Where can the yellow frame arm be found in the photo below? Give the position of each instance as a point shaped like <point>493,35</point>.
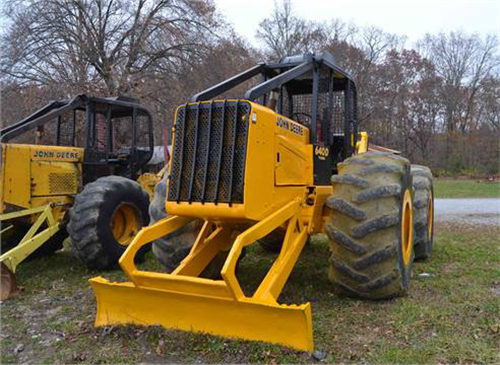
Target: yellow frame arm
<point>31,241</point>
<point>185,301</point>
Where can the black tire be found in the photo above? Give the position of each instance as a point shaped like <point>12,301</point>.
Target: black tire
<point>171,249</point>
<point>371,208</point>
<point>91,220</point>
<point>423,186</point>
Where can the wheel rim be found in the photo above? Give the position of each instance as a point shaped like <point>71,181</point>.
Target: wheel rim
<point>407,228</point>
<point>125,223</point>
<point>430,217</point>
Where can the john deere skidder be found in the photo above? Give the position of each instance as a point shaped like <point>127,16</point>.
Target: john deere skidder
<point>60,183</point>
<point>286,158</point>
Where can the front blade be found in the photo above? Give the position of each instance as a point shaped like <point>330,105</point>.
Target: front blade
<point>124,303</point>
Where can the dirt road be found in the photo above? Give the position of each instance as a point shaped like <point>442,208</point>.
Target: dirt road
<point>476,211</point>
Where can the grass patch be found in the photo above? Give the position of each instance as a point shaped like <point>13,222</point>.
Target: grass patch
<point>451,315</point>
<point>466,188</point>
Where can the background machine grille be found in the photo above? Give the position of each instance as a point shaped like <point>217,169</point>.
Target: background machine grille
<point>63,183</point>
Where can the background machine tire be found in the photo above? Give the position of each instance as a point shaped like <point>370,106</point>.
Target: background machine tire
<point>105,217</point>
<point>171,249</point>
<point>370,227</point>
<point>424,211</point>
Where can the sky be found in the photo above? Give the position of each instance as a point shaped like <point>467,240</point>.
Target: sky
<point>404,17</point>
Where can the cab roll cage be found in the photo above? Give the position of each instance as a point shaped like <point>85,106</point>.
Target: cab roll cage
<point>109,108</point>
<point>293,70</point>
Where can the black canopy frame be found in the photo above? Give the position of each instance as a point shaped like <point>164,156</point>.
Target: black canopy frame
<point>301,75</point>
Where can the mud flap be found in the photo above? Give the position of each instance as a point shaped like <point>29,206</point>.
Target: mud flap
<point>247,319</point>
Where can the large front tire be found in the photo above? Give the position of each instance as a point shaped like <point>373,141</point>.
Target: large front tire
<point>106,216</point>
<point>371,226</point>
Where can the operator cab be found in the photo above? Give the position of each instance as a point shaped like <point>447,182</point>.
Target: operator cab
<point>115,133</point>
<point>311,90</point>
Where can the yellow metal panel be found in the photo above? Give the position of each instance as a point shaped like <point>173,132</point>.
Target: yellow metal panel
<point>55,170</point>
<point>122,303</point>
<point>259,170</point>
<point>181,284</point>
<point>30,170</point>
<point>54,178</point>
<point>207,211</point>
<point>362,143</point>
<point>17,175</point>
<point>262,195</point>
<point>290,168</point>
<point>56,153</point>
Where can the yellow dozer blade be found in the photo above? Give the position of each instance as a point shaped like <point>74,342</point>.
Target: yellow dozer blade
<point>182,300</point>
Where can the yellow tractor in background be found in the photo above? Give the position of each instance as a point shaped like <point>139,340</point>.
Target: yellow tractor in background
<point>282,164</point>
<point>71,167</point>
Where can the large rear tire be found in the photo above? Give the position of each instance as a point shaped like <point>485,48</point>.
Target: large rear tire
<point>424,211</point>
<point>106,216</point>
<point>371,226</point>
<point>171,249</point>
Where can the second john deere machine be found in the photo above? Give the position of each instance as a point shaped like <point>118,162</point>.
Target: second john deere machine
<point>282,164</point>
<point>54,181</point>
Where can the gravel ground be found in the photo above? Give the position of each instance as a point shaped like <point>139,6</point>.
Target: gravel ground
<point>476,211</point>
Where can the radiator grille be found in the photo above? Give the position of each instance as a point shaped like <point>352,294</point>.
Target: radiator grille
<point>62,183</point>
<point>208,159</point>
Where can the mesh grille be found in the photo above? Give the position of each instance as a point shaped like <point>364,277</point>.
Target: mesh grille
<point>298,105</point>
<point>208,160</point>
<point>62,183</point>
<point>66,133</point>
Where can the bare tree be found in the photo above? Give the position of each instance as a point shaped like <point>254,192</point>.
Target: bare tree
<point>489,104</point>
<point>439,103</point>
<point>285,34</point>
<point>375,43</point>
<point>103,43</point>
<point>463,61</point>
